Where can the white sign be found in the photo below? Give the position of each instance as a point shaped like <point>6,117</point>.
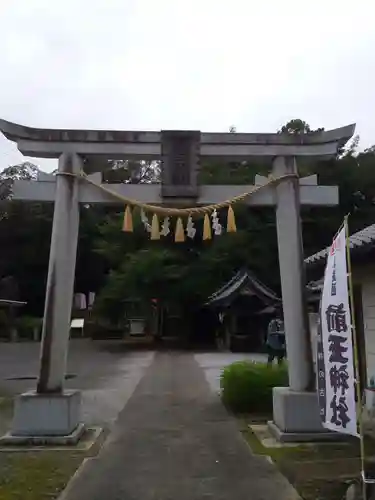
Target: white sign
<point>335,366</point>
<point>77,323</point>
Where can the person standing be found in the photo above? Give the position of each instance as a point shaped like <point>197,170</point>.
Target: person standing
<point>276,339</point>
<point>220,331</point>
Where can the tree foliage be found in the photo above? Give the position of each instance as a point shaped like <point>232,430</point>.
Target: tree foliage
<point>297,127</point>
<point>133,172</point>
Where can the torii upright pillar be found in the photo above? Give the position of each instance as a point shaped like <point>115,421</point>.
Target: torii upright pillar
<point>295,408</point>
<point>61,273</point>
<point>53,411</point>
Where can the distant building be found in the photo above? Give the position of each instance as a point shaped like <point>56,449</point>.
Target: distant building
<point>243,306</point>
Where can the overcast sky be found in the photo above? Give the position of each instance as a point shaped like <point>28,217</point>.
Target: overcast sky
<point>196,64</point>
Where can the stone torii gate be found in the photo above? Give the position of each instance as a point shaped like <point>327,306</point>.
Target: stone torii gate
<point>53,411</point>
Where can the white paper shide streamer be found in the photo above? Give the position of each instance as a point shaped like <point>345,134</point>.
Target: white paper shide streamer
<point>190,229</point>
<point>165,227</point>
<point>216,226</point>
<point>145,221</point>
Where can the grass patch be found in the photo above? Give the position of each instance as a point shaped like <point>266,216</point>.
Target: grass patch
<point>318,472</point>
<point>6,404</point>
<point>6,413</point>
<point>36,476</point>
<point>40,475</point>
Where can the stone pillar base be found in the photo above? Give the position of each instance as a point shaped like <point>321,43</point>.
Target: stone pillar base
<point>43,416</point>
<point>296,417</point>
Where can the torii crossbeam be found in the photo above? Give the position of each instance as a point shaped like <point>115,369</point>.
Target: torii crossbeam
<point>180,153</point>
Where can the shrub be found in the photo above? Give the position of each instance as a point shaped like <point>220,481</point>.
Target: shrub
<point>246,387</point>
<point>4,324</point>
<point>25,326</point>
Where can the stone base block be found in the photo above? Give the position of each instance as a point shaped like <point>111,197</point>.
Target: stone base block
<point>296,417</point>
<point>303,437</point>
<point>10,440</point>
<point>46,414</point>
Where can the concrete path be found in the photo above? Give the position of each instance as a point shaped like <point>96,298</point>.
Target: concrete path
<point>174,440</point>
<point>105,372</point>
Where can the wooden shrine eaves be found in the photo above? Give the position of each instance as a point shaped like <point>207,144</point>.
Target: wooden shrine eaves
<point>50,143</point>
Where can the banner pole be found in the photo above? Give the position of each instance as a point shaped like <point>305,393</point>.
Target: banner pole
<point>356,361</point>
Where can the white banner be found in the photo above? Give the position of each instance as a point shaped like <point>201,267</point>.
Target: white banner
<point>335,360</point>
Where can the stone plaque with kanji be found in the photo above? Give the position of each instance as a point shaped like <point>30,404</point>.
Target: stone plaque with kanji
<point>180,163</point>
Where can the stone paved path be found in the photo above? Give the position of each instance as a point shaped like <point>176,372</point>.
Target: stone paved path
<point>175,441</point>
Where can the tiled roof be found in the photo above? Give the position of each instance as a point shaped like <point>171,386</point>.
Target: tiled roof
<point>241,281</point>
<point>357,241</point>
<point>13,303</point>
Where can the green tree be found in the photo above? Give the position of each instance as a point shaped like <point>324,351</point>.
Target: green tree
<point>25,235</point>
<point>296,127</point>
<point>133,172</point>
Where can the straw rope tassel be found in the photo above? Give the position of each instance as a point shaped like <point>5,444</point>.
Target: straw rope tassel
<point>127,225</point>
<point>155,228</point>
<point>179,235</point>
<point>207,228</point>
<point>231,221</point>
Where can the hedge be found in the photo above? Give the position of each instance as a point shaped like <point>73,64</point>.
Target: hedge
<point>246,387</point>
